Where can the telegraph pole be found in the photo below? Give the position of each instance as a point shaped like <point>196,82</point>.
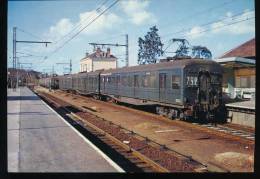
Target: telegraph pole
<point>52,70</point>
<point>15,61</point>
<point>126,54</point>
<point>117,45</point>
<point>14,54</point>
<point>70,66</point>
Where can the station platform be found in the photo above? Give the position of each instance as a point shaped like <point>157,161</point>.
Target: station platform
<point>39,140</point>
<point>238,114</point>
<point>244,104</point>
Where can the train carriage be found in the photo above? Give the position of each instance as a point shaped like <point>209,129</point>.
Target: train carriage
<point>87,83</point>
<point>179,88</point>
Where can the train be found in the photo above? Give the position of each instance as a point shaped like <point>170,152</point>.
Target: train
<point>179,89</point>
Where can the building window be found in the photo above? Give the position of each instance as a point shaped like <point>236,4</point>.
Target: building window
<point>176,80</point>
<point>237,82</point>
<point>252,85</point>
<point>243,82</point>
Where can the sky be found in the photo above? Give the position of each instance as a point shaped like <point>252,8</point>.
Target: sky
<point>218,25</point>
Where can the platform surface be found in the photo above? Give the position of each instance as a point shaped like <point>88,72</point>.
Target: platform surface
<point>39,140</point>
<point>244,104</point>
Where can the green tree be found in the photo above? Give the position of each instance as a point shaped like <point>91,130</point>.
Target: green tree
<point>201,52</point>
<point>150,48</point>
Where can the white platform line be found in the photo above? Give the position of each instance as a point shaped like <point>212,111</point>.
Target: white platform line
<point>111,162</point>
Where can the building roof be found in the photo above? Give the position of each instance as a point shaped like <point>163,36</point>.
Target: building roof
<point>236,62</point>
<point>94,55</point>
<point>246,50</point>
<point>100,56</point>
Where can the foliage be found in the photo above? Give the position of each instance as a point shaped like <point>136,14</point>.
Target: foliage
<point>150,48</point>
<point>201,52</point>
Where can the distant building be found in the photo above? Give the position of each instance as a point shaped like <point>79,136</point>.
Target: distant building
<point>24,77</point>
<point>239,70</point>
<point>98,60</point>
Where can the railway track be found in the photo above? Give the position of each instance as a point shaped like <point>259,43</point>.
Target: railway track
<point>229,130</point>
<point>145,154</point>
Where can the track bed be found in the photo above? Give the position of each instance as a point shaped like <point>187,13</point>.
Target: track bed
<point>217,150</point>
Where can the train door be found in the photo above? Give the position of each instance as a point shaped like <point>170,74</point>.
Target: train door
<point>204,88</point>
<point>162,86</point>
<point>117,84</point>
<point>136,85</point>
<point>104,84</point>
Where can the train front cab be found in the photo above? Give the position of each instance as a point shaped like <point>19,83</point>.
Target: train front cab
<point>203,96</point>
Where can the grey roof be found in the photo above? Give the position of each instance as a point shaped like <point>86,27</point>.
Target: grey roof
<point>163,65</point>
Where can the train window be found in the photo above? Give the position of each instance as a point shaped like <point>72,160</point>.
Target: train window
<point>129,82</point>
<point>112,80</point>
<point>124,81</point>
<point>118,80</point>
<point>215,79</point>
<point>109,79</point>
<point>152,80</point>
<point>176,80</point>
<point>145,80</point>
<point>136,80</point>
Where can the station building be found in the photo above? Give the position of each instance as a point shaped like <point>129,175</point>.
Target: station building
<point>98,60</point>
<point>239,70</point>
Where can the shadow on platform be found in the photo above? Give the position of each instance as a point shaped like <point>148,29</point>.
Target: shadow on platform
<point>17,98</point>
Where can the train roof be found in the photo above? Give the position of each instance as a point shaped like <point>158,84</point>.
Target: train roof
<point>163,65</point>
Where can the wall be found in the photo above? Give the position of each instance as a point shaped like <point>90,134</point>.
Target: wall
<point>241,118</point>
<point>97,65</point>
<point>86,65</point>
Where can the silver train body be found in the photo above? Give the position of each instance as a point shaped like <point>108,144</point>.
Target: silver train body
<point>179,89</point>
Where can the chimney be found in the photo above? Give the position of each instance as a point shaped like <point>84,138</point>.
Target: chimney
<point>98,52</point>
<point>108,52</point>
<point>87,54</point>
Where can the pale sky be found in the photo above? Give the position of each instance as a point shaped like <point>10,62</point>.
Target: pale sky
<point>219,25</point>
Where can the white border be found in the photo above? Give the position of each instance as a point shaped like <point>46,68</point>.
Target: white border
<point>111,162</point>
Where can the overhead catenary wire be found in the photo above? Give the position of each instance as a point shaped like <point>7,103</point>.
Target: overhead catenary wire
<point>218,27</point>
<point>92,21</point>
<point>79,25</point>
<point>210,29</point>
<point>201,12</point>
<point>205,24</point>
<point>111,37</point>
<point>29,33</point>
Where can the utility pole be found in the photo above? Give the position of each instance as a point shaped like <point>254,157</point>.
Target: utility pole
<point>126,53</point>
<point>117,45</point>
<point>15,61</point>
<point>14,54</point>
<point>52,70</point>
<point>70,65</point>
